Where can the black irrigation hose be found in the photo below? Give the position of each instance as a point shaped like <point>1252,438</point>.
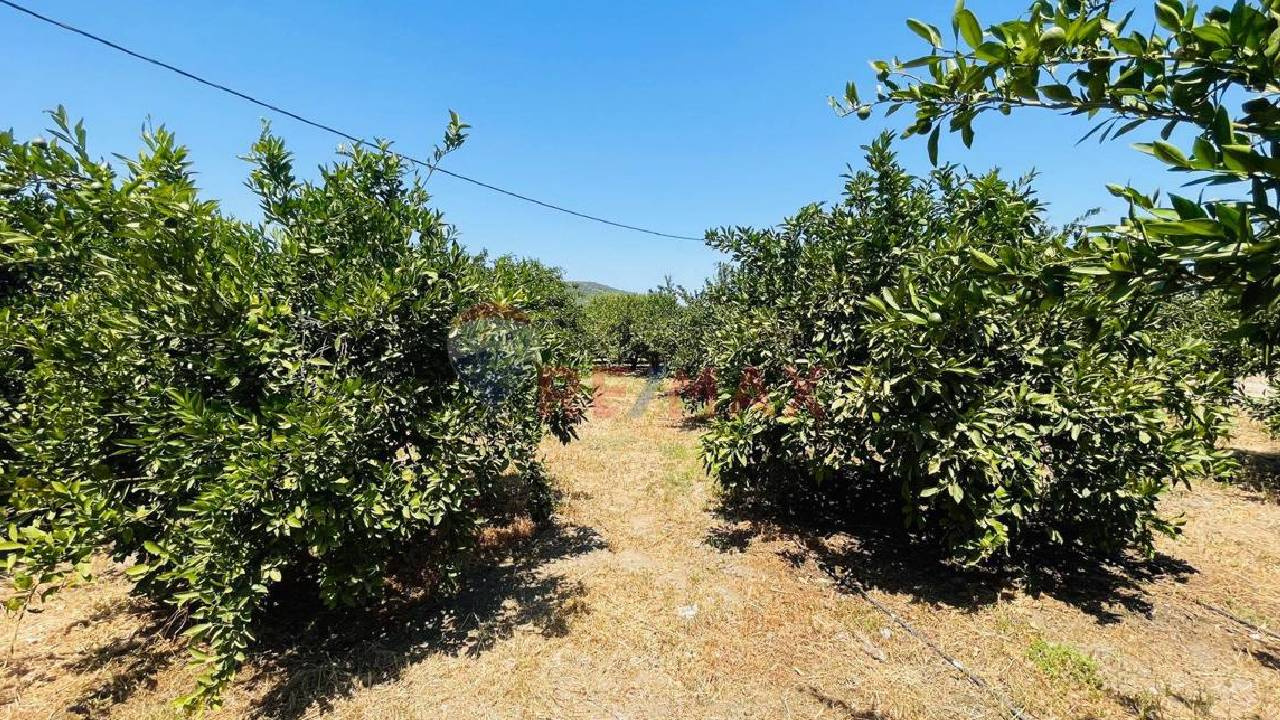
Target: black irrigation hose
<point>1236,618</point>
<point>849,583</point>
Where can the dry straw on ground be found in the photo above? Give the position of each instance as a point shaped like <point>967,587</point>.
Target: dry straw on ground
<point>639,602</point>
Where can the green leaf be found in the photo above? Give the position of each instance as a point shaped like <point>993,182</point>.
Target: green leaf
<point>1204,153</point>
<point>1204,227</point>
<point>933,145</point>
<point>1213,35</point>
<point>992,52</point>
<point>1057,93</point>
<point>969,28</point>
<point>930,33</point>
<point>1168,16</point>
<point>851,94</point>
<point>983,261</point>
<point>1165,152</point>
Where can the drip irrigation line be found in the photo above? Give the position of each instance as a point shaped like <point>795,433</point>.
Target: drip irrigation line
<point>331,129</point>
<point>1177,594</point>
<point>850,583</point>
<point>1236,618</point>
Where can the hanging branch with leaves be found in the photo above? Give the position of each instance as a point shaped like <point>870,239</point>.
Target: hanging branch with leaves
<point>1212,73</point>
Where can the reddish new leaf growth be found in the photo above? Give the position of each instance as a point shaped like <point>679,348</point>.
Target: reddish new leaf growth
<point>751,391</point>
<point>701,390</point>
<point>804,386</point>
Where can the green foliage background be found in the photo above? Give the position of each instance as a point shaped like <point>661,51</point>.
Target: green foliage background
<point>634,329</point>
<point>1204,72</point>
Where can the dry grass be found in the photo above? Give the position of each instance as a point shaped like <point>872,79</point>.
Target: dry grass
<point>638,602</point>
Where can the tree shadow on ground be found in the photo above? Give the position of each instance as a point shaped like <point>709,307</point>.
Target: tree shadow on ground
<point>880,555</point>
<point>314,660</point>
<point>137,660</point>
<point>1267,659</point>
<point>1260,473</point>
<point>691,423</point>
<point>128,662</point>
<point>309,656</point>
<point>131,662</point>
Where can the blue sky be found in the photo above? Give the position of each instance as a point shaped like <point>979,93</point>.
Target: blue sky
<point>673,115</point>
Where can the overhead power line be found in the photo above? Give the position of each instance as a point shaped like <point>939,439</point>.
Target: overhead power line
<point>329,128</point>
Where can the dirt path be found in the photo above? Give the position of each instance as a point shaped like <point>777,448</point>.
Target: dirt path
<point>660,624</point>
<point>638,602</point>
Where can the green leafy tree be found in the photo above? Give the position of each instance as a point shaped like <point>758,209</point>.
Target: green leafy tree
<point>634,329</point>
<point>543,314</point>
<point>544,297</point>
<point>1211,317</point>
<point>1210,75</point>
<point>885,354</point>
<point>234,408</point>
<point>699,321</point>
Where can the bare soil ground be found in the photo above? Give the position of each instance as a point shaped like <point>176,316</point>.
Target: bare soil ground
<point>640,602</point>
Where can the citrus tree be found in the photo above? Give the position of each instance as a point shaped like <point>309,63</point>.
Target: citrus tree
<point>633,328</point>
<point>544,297</point>
<point>884,354</point>
<point>232,408</point>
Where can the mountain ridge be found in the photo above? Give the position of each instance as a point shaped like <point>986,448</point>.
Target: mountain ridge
<point>589,289</point>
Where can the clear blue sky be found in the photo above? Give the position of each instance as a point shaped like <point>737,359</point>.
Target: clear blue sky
<point>678,116</point>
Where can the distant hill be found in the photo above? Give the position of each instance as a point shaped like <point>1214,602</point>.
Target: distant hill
<point>591,289</point>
